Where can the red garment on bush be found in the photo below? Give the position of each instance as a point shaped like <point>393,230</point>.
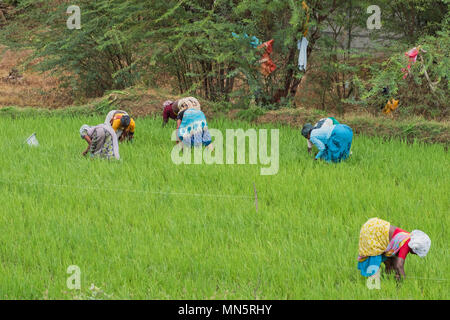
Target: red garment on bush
<point>267,65</point>
<point>412,55</point>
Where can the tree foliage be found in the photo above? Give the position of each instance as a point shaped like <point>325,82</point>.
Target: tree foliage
<point>188,45</point>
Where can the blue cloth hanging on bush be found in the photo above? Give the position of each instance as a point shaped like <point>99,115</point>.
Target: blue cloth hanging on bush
<point>254,41</point>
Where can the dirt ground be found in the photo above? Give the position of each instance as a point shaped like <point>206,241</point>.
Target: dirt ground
<point>33,89</point>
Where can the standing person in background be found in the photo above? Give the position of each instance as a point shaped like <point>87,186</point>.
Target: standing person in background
<point>334,143</point>
<point>324,122</point>
<point>102,141</point>
<point>168,111</point>
<point>122,124</point>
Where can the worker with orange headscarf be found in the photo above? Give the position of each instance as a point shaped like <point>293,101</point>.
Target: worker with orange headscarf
<point>122,124</point>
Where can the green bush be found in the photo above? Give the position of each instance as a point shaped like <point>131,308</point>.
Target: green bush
<point>424,91</point>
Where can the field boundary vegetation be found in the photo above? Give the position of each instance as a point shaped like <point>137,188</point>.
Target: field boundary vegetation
<point>415,129</point>
<point>201,48</point>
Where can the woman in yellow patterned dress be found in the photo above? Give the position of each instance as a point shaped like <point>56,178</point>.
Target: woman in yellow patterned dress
<point>379,241</point>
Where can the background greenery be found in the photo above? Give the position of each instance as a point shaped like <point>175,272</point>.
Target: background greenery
<point>187,45</point>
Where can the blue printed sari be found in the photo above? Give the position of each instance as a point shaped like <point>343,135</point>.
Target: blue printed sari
<point>193,130</point>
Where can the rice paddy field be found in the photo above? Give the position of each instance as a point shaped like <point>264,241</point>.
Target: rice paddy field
<point>145,228</point>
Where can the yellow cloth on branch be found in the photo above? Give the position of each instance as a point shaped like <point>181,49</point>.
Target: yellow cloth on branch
<point>390,106</point>
<point>305,26</point>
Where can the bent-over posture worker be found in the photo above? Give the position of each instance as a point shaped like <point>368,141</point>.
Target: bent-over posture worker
<point>122,123</point>
<point>333,142</point>
<point>192,128</point>
<point>379,241</point>
<point>102,141</point>
<point>168,111</point>
<point>324,122</point>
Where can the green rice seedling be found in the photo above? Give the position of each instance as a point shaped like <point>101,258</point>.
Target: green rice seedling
<point>145,228</point>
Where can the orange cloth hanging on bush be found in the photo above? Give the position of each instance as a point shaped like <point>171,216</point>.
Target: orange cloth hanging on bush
<point>267,65</point>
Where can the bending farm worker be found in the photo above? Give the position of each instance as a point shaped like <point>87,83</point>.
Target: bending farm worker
<point>192,128</point>
<point>122,124</point>
<point>168,111</point>
<point>324,122</point>
<point>333,142</point>
<point>102,141</point>
<point>379,241</point>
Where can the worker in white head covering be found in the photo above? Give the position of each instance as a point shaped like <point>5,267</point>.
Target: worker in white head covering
<point>419,243</point>
<point>380,241</point>
<point>187,103</point>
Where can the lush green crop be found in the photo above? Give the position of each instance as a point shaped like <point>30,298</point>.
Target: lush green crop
<point>134,234</point>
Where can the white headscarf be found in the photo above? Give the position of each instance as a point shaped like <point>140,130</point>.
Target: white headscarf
<point>420,243</point>
<point>187,103</point>
<point>84,130</point>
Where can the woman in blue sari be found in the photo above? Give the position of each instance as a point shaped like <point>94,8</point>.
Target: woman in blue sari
<point>333,142</point>
<point>192,128</point>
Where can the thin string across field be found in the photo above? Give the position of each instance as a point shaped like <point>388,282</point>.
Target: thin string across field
<point>180,194</point>
<point>128,190</point>
<point>353,269</point>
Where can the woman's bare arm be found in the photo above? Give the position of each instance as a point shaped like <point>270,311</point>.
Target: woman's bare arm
<point>399,264</point>
<point>89,141</point>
